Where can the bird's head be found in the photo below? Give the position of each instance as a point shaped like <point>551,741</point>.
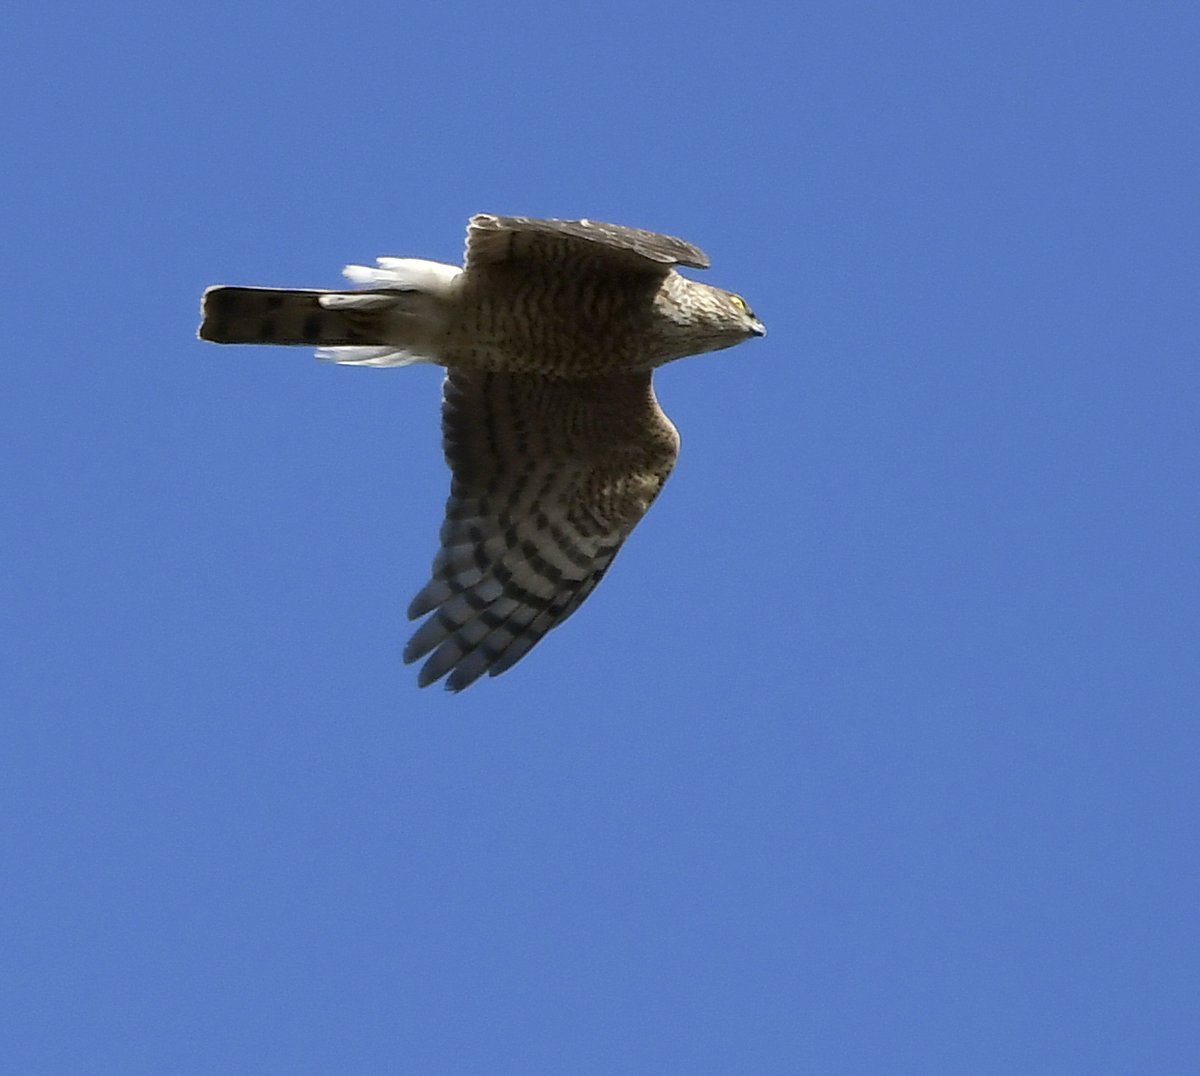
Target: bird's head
<point>724,319</point>
<point>738,316</point>
<point>697,317</point>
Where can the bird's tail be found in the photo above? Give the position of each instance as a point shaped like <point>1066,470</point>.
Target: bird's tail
<point>281,316</point>
<point>393,323</point>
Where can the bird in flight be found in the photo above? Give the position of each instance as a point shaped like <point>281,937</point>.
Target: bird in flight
<point>549,333</point>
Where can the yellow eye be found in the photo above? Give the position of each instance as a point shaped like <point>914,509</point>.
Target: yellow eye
<point>741,305</point>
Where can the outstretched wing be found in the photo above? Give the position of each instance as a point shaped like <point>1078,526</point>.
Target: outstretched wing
<point>492,240</point>
<point>549,477</point>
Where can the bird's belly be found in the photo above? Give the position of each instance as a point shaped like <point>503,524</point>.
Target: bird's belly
<point>553,335</point>
<point>552,358</point>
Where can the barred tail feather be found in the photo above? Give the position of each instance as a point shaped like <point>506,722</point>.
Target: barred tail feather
<point>282,316</point>
<point>398,318</point>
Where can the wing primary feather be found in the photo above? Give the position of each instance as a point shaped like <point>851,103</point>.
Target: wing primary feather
<point>549,478</point>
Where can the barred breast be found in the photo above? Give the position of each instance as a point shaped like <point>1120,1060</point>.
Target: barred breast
<point>560,325</point>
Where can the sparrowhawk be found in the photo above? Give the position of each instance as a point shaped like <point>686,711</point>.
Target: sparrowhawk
<point>556,443</point>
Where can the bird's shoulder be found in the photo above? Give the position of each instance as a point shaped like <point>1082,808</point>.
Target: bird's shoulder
<point>494,240</point>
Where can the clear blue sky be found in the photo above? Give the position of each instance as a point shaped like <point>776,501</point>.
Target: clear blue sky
<point>876,751</point>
